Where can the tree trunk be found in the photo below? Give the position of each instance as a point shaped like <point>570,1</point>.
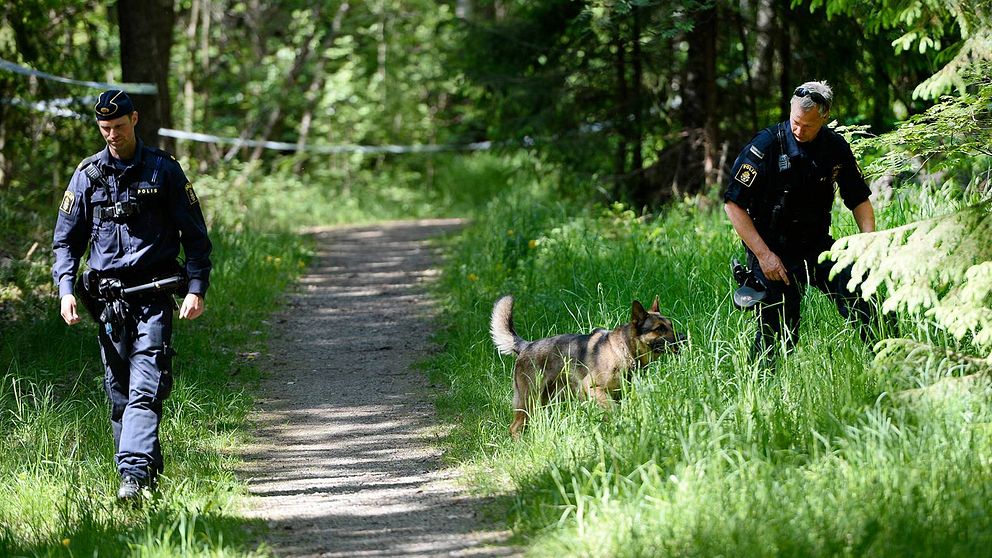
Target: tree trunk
<point>639,191</point>
<point>764,46</point>
<point>146,41</point>
<point>622,123</point>
<point>188,70</point>
<point>785,54</point>
<point>313,93</point>
<point>699,119</point>
<point>751,91</point>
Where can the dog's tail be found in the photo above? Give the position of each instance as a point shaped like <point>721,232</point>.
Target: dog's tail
<point>506,339</point>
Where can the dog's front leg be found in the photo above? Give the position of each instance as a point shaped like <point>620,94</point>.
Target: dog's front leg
<point>597,393</point>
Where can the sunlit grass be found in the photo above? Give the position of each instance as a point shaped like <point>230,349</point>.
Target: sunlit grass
<point>57,477</point>
<point>705,455</point>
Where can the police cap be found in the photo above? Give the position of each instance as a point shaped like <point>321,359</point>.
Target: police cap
<point>113,104</point>
<point>746,298</point>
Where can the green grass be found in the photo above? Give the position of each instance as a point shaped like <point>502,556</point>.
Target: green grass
<point>57,478</point>
<point>705,456</point>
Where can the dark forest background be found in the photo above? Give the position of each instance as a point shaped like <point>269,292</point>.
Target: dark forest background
<point>638,101</point>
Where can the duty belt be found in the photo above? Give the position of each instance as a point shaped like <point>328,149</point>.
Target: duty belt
<point>118,210</point>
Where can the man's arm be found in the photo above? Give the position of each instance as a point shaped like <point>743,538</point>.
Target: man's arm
<point>864,215</point>
<point>771,264</point>
<point>69,244</point>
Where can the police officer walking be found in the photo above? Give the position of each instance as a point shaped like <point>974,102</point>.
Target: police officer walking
<point>779,200</point>
<point>134,208</point>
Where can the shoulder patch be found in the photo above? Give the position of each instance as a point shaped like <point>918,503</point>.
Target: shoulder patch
<point>746,175</point>
<point>191,195</point>
<point>68,202</point>
<point>757,152</point>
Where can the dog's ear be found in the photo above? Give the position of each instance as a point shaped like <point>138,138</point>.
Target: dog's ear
<point>654,305</point>
<point>637,313</point>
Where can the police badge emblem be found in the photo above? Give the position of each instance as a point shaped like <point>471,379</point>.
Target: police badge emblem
<point>68,201</point>
<point>190,194</point>
<point>746,175</point>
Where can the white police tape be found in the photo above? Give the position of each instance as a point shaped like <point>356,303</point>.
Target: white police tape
<point>138,88</point>
<point>54,107</point>
<point>331,149</point>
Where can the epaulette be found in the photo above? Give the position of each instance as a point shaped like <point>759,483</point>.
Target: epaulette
<point>87,161</point>
<point>760,143</point>
<point>161,152</point>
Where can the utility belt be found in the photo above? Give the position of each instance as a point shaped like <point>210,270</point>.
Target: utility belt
<point>105,295</point>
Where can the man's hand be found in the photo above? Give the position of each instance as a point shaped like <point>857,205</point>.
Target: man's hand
<point>772,267</point>
<point>771,264</point>
<point>68,309</point>
<point>192,307</point>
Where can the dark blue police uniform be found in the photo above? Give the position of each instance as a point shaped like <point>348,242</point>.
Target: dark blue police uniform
<point>134,219</point>
<point>791,209</point>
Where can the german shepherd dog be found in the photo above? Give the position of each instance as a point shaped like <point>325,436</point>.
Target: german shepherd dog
<point>590,366</point>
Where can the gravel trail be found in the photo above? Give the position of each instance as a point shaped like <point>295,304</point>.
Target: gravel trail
<point>346,462</point>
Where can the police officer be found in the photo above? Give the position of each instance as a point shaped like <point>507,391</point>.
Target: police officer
<point>779,199</point>
<point>133,206</point>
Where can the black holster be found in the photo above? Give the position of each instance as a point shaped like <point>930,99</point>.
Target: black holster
<point>87,293</point>
<point>104,296</point>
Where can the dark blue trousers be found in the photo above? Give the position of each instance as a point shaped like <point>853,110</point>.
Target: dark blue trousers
<point>138,379</point>
<point>779,316</point>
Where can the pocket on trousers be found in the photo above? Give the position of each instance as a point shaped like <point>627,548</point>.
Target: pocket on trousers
<point>164,362</point>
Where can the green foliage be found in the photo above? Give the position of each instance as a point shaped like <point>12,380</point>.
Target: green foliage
<point>939,268</point>
<point>56,451</point>
<point>954,134</point>
<point>703,455</point>
<point>960,29</point>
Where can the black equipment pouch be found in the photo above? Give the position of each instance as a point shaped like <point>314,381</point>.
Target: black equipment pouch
<point>119,211</point>
<point>86,291</point>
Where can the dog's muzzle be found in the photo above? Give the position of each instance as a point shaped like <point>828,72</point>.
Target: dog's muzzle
<point>669,345</point>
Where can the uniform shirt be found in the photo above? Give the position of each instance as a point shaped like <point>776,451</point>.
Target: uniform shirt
<point>757,185</point>
<point>169,215</point>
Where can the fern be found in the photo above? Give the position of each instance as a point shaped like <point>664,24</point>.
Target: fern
<point>938,269</point>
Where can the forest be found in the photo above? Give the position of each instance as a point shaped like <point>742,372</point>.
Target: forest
<point>588,145</point>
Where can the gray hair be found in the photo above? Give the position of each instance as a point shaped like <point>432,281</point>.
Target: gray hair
<point>806,102</point>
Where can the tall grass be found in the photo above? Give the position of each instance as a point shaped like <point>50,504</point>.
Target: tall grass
<point>705,455</point>
<point>57,478</point>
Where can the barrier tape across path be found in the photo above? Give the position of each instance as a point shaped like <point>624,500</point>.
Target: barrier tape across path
<point>139,88</point>
<point>58,108</point>
<point>330,149</point>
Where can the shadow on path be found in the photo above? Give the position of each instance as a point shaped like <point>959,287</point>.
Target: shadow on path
<point>345,463</point>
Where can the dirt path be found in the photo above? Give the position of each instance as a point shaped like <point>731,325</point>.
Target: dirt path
<point>345,462</point>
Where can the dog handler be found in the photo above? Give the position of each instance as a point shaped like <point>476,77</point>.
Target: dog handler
<point>779,199</point>
<point>134,208</point>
